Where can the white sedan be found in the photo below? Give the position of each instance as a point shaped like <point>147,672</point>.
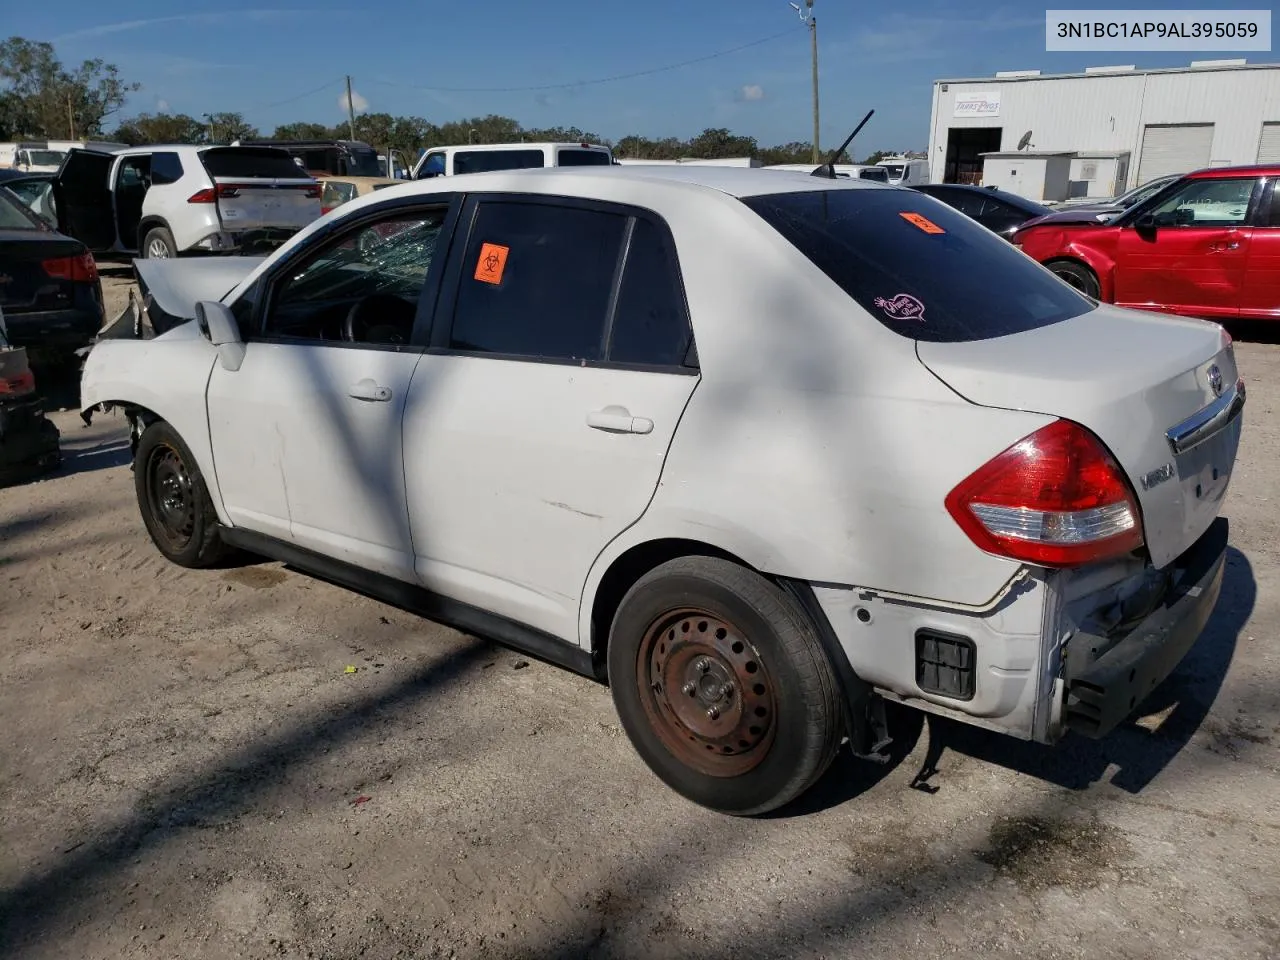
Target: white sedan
<point>762,450</point>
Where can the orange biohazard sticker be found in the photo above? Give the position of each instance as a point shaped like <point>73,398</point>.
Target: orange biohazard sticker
<point>924,223</point>
<point>492,262</point>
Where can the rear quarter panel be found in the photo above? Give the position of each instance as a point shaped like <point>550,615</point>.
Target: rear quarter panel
<point>167,376</point>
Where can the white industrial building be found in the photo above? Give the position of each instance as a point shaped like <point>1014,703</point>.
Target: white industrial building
<point>1097,133</point>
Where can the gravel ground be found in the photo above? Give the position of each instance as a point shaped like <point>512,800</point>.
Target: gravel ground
<point>190,768</point>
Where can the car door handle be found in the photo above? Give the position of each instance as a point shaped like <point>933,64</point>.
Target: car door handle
<point>367,389</point>
<point>1224,246</point>
<point>614,419</point>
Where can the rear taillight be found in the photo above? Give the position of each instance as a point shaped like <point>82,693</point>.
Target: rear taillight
<point>222,191</point>
<point>207,195</point>
<point>81,269</point>
<point>313,191</point>
<point>23,383</point>
<point>1056,498</point>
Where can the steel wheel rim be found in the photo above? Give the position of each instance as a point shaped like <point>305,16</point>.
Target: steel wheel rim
<point>157,249</point>
<point>171,496</point>
<point>707,692</point>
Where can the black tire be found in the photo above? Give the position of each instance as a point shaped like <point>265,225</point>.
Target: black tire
<point>174,500</point>
<point>156,240</point>
<point>1078,275</point>
<point>727,627</point>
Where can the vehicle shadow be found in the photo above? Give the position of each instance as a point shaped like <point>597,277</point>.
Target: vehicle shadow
<point>1139,752</point>
<point>98,456</point>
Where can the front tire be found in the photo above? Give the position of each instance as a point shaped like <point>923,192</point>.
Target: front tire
<point>158,244</point>
<point>174,500</point>
<point>722,686</point>
<point>1079,276</point>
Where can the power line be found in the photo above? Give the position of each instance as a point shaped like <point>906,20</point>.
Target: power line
<point>280,103</point>
<point>596,80</point>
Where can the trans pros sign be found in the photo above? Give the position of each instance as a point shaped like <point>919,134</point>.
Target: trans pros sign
<point>980,104</point>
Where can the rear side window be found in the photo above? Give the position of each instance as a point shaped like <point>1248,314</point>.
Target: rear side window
<point>536,280</point>
<point>920,268</point>
<point>266,162</point>
<point>480,161</point>
<point>165,168</point>
<point>651,322</point>
<point>14,216</point>
<point>570,157</point>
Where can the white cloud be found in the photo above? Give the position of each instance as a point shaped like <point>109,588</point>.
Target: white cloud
<point>207,19</point>
<point>360,104</point>
<point>162,106</point>
<point>751,91</point>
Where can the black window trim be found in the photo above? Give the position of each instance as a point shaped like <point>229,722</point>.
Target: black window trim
<point>1266,200</point>
<point>265,288</point>
<point>442,327</point>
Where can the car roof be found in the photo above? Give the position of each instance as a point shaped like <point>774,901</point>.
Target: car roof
<point>1250,170</point>
<point>536,145</point>
<point>733,181</point>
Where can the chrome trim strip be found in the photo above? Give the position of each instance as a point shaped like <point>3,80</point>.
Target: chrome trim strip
<point>1208,422</point>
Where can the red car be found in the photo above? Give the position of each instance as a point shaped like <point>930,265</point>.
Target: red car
<point>1207,245</point>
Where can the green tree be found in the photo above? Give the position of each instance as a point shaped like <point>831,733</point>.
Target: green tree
<point>226,127</point>
<point>161,128</point>
<point>302,131</point>
<point>878,156</point>
<point>41,98</point>
<point>718,143</point>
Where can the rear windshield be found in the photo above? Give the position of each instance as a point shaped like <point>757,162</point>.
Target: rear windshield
<point>481,161</point>
<point>363,162</point>
<point>267,162</point>
<point>920,268</point>
<point>878,174</point>
<point>13,215</point>
<point>582,158</point>
<point>896,170</point>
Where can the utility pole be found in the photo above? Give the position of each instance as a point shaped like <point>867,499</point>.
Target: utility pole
<point>351,110</point>
<point>813,43</point>
<point>71,119</point>
<point>809,20</point>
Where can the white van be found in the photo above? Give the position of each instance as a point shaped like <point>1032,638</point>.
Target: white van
<point>853,171</point>
<point>482,157</point>
<point>46,156</point>
<point>905,171</point>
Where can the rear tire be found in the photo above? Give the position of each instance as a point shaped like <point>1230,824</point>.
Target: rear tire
<point>722,686</point>
<point>158,244</point>
<point>1078,275</point>
<point>174,500</point>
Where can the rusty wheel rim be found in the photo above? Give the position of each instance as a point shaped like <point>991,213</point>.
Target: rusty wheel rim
<point>707,692</point>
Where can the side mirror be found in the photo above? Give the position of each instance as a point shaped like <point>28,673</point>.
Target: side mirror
<point>218,324</point>
<point>1146,223</point>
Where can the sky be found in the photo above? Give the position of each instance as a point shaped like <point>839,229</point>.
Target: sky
<point>276,64</point>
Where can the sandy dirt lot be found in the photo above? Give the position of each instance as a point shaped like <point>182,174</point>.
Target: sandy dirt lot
<point>189,770</point>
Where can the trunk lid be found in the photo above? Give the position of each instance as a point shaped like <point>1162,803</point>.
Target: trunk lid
<point>1132,380</point>
<point>261,188</point>
<point>24,283</point>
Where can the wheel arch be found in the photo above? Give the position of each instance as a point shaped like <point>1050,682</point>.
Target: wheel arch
<point>1101,269</point>
<point>149,223</point>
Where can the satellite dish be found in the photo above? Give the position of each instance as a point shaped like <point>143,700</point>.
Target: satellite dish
<point>1026,139</point>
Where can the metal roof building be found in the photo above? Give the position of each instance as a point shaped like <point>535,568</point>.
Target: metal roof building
<point>1150,122</point>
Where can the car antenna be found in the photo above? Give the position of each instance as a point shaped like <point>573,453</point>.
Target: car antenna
<point>828,169</point>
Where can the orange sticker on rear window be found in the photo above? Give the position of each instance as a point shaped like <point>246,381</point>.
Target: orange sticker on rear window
<point>924,223</point>
<point>492,262</point>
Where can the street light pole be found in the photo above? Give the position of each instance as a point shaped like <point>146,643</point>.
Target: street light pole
<point>807,18</point>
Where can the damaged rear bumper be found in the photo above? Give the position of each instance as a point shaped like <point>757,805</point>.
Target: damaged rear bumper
<point>1104,693</point>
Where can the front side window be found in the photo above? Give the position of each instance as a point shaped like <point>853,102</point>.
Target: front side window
<point>482,161</point>
<point>536,281</point>
<point>920,268</point>
<point>1206,203</point>
<point>434,165</point>
<point>362,287</point>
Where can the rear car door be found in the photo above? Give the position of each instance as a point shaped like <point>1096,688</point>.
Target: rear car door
<point>537,426</point>
<point>1260,296</point>
<point>1191,259</point>
<point>261,188</point>
<point>82,199</point>
<point>307,433</point>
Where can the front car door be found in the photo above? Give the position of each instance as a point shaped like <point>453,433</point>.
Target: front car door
<point>82,199</point>
<point>1260,298</point>
<point>537,426</point>
<point>306,434</point>
<point>1189,257</point>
